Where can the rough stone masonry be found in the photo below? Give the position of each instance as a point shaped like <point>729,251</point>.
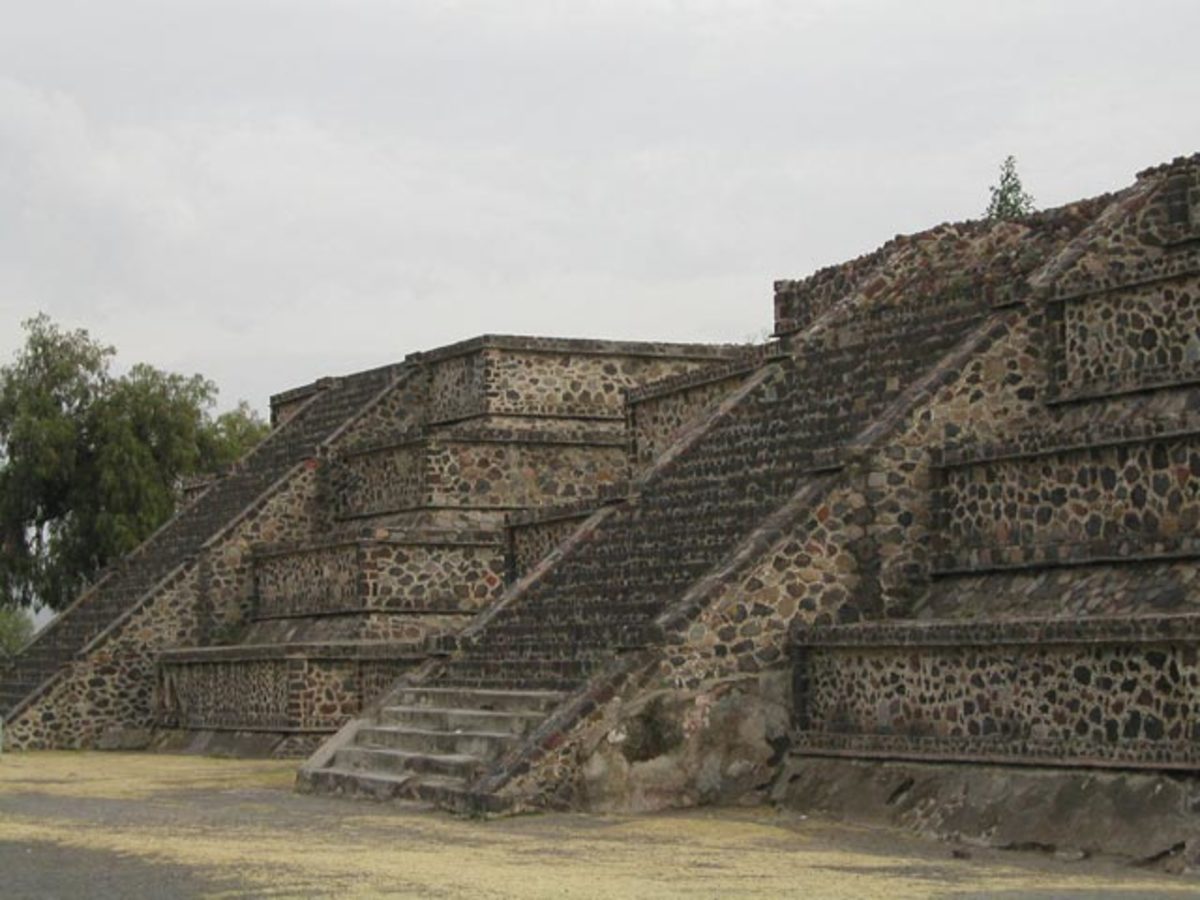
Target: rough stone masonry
<point>944,522</point>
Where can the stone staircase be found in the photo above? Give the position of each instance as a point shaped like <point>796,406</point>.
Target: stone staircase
<point>410,541</point>
<point>688,513</point>
<point>431,743</point>
<point>178,541</point>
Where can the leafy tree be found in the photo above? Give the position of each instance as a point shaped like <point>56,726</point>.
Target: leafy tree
<point>230,435</point>
<point>1009,200</point>
<point>16,628</point>
<point>90,463</point>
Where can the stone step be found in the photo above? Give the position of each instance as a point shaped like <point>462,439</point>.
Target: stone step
<point>520,681</point>
<point>435,718</point>
<point>484,745</point>
<point>481,700</point>
<point>401,762</point>
<point>355,783</point>
<point>446,793</point>
<point>558,641</point>
<point>507,670</point>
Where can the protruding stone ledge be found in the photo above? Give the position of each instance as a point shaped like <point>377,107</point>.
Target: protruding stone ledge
<point>753,357</point>
<point>1034,444</point>
<point>574,346</point>
<point>387,650</point>
<point>607,495</point>
<point>1138,381</point>
<point>1183,755</point>
<point>1181,263</point>
<point>422,438</point>
<point>1022,632</point>
<point>968,560</point>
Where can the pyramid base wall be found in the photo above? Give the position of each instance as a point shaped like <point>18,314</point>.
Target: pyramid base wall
<point>1149,818</point>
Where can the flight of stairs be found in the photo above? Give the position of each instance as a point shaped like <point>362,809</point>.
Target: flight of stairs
<point>183,536</point>
<point>601,600</point>
<point>431,743</point>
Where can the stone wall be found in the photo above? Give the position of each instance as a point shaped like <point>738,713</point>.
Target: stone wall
<point>509,474</point>
<point>226,590</point>
<point>106,697</point>
<point>459,575</point>
<point>1102,500</point>
<point>532,535</point>
<point>405,586</point>
<point>658,414</point>
<point>483,470</point>
<point>1116,692</point>
<point>1131,587</point>
<point>303,579</point>
<point>855,427</point>
<point>1126,339</point>
<point>398,412</point>
<point>407,630</point>
<point>458,387</point>
<point>563,384</point>
<point>263,689</point>
<point>499,375</point>
<point>376,480</point>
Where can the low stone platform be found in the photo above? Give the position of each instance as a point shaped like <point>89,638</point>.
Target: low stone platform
<point>1143,817</point>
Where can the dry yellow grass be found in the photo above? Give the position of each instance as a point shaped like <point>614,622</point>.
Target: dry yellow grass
<point>224,818</point>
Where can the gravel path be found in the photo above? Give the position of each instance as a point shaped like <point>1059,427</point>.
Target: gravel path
<point>133,825</point>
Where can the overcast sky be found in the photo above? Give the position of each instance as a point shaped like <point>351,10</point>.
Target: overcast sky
<point>266,191</point>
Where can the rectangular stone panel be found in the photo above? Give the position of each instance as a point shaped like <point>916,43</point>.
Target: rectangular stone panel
<point>1121,500</point>
<point>1137,337</point>
<point>1119,692</point>
<point>458,387</point>
<point>512,475</point>
<point>427,576</point>
<point>377,480</point>
<point>286,691</point>
<point>305,580</point>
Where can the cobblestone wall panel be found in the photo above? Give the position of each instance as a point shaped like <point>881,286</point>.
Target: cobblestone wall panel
<point>1098,501</point>
<point>1117,701</point>
<point>432,576</point>
<point>308,580</point>
<point>382,480</point>
<point>110,692</point>
<point>227,589</point>
<point>507,475</point>
<point>294,693</point>
<point>565,384</point>
<point>532,542</point>
<point>1126,339</point>
<point>458,386</point>
<point>656,422</point>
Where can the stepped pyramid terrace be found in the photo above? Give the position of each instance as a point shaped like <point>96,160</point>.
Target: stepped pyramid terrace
<point>930,555</point>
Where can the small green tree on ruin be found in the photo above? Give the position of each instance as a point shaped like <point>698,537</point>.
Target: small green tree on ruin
<point>90,462</point>
<point>1009,199</point>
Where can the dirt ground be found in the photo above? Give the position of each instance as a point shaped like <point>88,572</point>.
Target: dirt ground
<point>132,825</point>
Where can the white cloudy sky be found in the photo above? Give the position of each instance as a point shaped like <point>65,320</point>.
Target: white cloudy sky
<point>269,191</point>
